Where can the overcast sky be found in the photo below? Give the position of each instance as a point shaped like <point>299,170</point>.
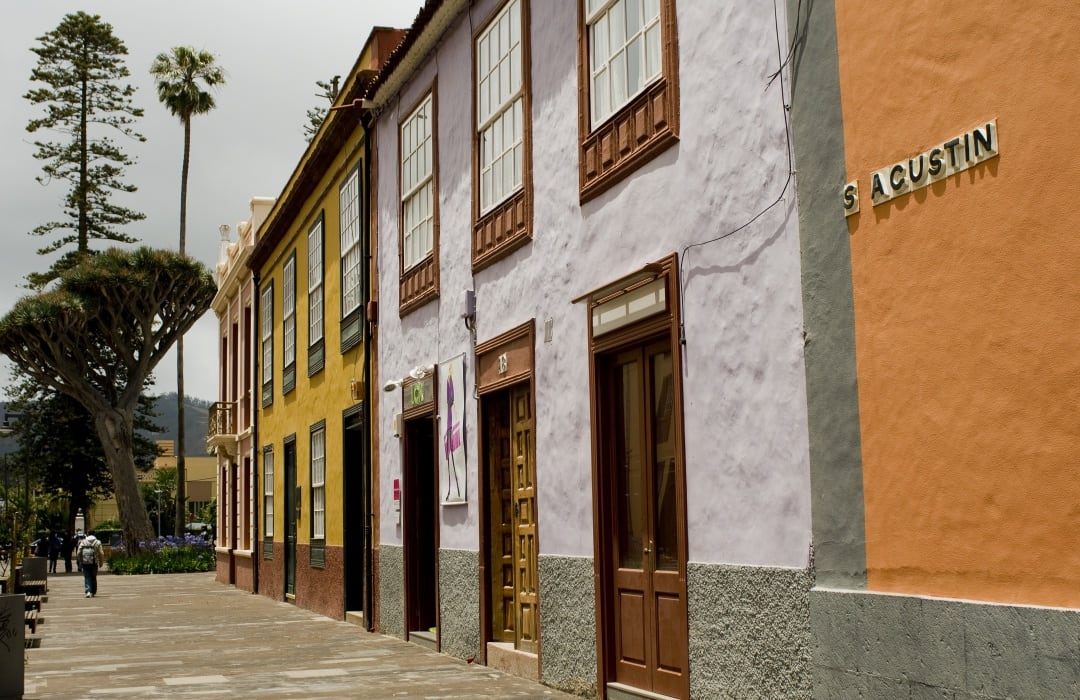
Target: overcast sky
<point>273,51</point>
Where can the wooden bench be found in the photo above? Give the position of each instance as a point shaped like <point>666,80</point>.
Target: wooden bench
<point>33,602</point>
<point>30,618</point>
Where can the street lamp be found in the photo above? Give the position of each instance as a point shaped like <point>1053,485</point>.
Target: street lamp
<point>158,492</point>
<point>6,428</point>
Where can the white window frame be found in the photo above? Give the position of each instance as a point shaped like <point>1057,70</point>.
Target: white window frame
<point>500,100</point>
<point>267,335</point>
<point>417,184</point>
<point>316,309</point>
<point>349,219</point>
<point>612,50</point>
<point>288,312</point>
<point>318,483</point>
<point>268,492</point>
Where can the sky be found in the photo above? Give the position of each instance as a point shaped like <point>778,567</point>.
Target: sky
<point>273,52</point>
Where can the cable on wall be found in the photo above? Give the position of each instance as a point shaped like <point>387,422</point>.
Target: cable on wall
<point>782,62</point>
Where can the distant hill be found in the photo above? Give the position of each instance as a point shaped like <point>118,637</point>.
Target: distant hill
<point>196,421</point>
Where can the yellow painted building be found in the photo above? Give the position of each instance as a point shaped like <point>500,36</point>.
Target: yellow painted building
<point>311,263</point>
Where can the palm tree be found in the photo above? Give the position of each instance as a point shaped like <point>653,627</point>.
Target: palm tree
<point>184,77</point>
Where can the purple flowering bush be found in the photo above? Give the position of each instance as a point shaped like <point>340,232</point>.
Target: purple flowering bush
<point>164,555</point>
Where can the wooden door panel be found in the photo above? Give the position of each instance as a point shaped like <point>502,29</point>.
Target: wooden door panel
<point>670,633</point>
<point>631,629</point>
<point>527,593</point>
<point>501,513</point>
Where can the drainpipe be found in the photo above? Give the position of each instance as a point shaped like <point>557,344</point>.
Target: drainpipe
<point>365,245</point>
<point>256,547</point>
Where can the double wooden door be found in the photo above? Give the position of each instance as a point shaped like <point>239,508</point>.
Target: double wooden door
<point>643,519</point>
<point>511,469</point>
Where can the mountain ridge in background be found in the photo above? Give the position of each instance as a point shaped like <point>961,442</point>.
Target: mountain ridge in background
<point>196,420</point>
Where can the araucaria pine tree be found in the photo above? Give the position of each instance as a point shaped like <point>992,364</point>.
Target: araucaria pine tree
<point>81,71</point>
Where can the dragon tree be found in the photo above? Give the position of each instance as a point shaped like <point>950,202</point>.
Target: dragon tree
<point>98,334</point>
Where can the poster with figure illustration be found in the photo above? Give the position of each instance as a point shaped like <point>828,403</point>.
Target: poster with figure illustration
<point>451,438</point>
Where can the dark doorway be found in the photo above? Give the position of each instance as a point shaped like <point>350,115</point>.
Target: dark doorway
<point>357,494</point>
<point>292,515</point>
<point>421,528</point>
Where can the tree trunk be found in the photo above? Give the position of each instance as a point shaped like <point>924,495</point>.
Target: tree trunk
<point>115,428</point>
<point>84,176</point>
<point>181,450</point>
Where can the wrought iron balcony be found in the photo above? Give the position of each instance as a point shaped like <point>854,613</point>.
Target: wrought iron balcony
<point>221,429</point>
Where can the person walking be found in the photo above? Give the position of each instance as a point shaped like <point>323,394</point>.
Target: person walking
<point>66,551</point>
<point>90,555</point>
<point>55,544</point>
<point>79,537</point>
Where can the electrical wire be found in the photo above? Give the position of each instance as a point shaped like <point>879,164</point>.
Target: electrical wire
<point>794,42</point>
<point>791,165</point>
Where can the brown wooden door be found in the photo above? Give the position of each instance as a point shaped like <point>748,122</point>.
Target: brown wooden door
<point>643,487</point>
<point>514,589</point>
<point>501,505</point>
<point>526,589</point>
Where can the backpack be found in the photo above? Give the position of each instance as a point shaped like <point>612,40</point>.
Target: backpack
<point>87,555</point>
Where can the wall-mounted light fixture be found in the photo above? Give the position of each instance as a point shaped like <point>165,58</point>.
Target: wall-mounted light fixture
<point>421,371</point>
<point>470,310</point>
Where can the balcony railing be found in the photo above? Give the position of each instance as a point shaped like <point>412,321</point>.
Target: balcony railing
<point>221,428</point>
<point>222,419</point>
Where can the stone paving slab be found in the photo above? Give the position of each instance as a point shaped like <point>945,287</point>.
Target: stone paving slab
<point>185,635</point>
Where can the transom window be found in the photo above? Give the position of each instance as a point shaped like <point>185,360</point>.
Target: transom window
<point>499,106</point>
<point>417,186</point>
<point>318,483</point>
<point>268,492</point>
<point>349,205</point>
<point>624,52</point>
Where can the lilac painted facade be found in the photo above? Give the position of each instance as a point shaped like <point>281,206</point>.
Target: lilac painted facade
<point>715,204</point>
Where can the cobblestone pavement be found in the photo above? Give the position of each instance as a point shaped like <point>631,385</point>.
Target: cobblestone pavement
<point>185,635</point>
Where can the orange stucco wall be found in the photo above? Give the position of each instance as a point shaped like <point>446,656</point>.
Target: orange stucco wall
<point>967,297</point>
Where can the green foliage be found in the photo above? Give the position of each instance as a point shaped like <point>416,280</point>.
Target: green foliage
<point>98,335</point>
<point>58,442</point>
<point>81,70</point>
<point>180,75</point>
<point>317,115</point>
<point>107,525</point>
<point>165,555</point>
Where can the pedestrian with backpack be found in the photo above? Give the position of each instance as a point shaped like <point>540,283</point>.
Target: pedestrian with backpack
<point>90,555</point>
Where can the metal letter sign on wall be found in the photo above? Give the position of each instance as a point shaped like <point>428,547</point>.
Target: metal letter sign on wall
<point>953,156</point>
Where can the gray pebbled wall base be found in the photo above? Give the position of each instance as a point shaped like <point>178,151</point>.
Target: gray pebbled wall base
<point>392,590</point>
<point>459,602</point>
<point>897,646</point>
<point>568,624</point>
<point>749,631</point>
